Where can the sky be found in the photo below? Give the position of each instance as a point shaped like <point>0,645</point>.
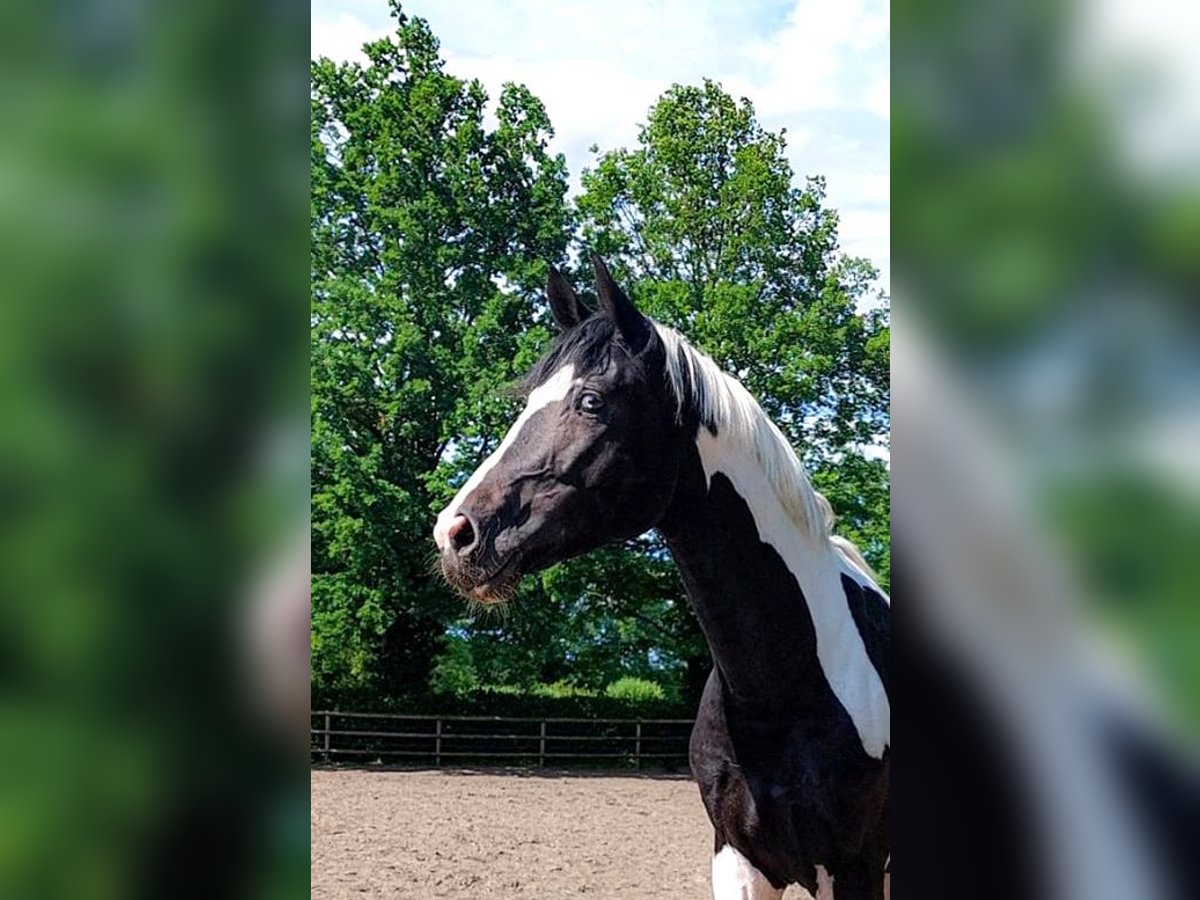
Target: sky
<point>816,68</point>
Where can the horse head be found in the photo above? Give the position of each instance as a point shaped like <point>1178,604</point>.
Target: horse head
<point>592,459</point>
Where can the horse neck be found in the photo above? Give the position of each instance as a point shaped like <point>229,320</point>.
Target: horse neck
<point>751,575</point>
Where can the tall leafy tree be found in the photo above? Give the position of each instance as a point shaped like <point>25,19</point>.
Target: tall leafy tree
<point>429,236</point>
<point>704,219</point>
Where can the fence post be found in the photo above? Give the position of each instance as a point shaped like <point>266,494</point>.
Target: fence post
<point>637,749</point>
<point>542,746</point>
<point>437,750</point>
<point>326,741</point>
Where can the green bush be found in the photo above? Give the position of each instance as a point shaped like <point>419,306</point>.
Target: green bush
<point>635,690</point>
<point>454,672</point>
<point>559,689</point>
<point>505,701</point>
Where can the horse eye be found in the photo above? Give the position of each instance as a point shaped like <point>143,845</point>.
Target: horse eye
<point>590,401</point>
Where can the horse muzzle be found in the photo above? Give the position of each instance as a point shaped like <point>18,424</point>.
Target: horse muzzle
<point>463,564</point>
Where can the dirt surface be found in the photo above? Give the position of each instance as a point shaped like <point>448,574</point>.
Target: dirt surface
<point>492,836</point>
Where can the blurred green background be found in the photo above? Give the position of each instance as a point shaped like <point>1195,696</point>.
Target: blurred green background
<point>1046,187</point>
<point>153,172</point>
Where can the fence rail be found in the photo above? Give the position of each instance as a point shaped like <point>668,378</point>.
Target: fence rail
<point>340,736</point>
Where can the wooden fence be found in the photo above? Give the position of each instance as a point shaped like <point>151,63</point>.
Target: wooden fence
<point>390,738</point>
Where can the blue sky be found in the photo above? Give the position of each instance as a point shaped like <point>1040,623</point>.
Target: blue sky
<point>818,68</point>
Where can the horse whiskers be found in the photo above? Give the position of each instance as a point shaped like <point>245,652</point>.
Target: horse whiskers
<point>497,610</point>
<point>433,563</point>
<point>467,577</point>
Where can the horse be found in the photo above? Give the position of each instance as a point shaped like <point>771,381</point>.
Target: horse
<point>628,427</point>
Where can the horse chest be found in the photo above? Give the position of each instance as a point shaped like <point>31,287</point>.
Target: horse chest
<point>789,795</point>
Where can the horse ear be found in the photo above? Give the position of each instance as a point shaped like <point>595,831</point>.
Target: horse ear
<point>567,308</point>
<point>631,324</point>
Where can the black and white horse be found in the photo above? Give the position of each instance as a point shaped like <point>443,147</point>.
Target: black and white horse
<point>627,428</point>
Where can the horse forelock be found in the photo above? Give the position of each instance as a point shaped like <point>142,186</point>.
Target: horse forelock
<point>588,347</point>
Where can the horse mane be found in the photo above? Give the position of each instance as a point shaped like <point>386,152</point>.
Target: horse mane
<point>850,552</point>
<point>725,407</point>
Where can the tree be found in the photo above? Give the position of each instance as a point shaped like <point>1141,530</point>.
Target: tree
<point>430,235</point>
<point>703,221</point>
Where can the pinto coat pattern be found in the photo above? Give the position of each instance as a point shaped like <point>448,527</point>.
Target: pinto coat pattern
<point>628,427</point>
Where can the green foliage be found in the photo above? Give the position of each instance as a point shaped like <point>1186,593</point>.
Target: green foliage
<point>506,700</point>
<point>559,689</point>
<point>454,671</point>
<point>419,214</point>
<point>637,690</point>
<point>430,236</point>
<point>1142,577</point>
<point>149,352</point>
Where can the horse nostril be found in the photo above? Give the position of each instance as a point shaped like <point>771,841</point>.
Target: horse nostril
<point>460,535</point>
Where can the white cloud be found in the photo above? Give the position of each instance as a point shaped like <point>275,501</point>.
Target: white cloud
<point>821,58</point>
<point>340,34</point>
<point>817,68</point>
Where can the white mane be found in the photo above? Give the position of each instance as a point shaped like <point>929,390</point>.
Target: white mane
<point>723,401</point>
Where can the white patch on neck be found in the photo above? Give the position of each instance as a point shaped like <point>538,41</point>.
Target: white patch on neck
<point>735,878</point>
<point>555,388</point>
<point>824,884</point>
<point>817,567</point>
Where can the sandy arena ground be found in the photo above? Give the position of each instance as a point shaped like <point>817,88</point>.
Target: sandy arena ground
<point>494,836</point>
